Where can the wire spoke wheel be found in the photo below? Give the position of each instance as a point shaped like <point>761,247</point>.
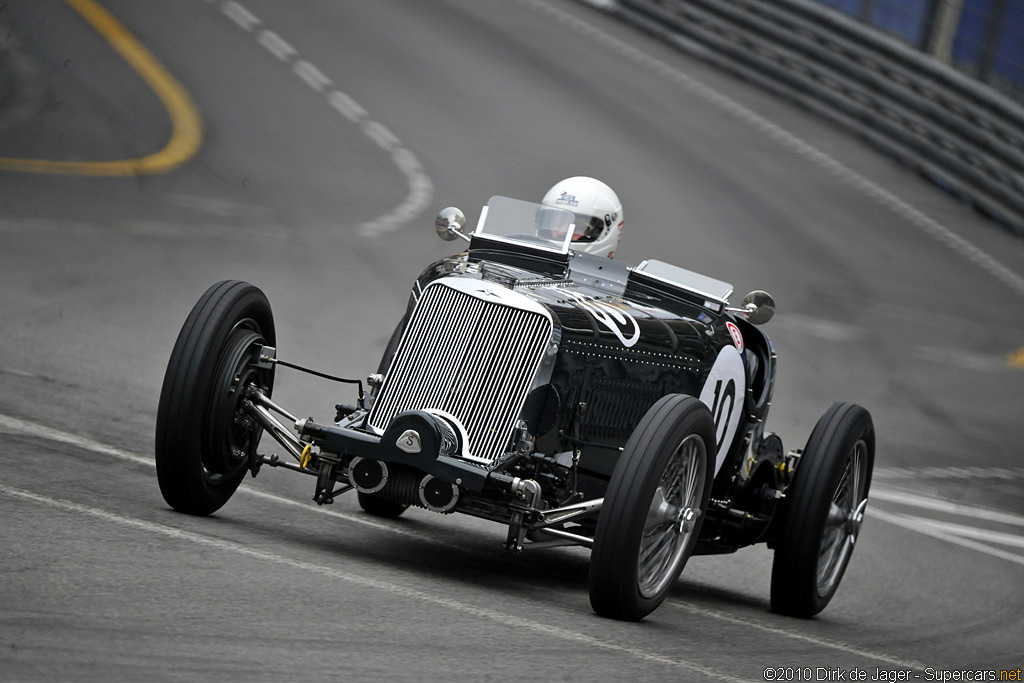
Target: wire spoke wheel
<point>672,516</point>
<point>823,511</point>
<point>846,512</point>
<point>653,509</point>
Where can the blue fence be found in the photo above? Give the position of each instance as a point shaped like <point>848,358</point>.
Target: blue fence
<point>988,41</point>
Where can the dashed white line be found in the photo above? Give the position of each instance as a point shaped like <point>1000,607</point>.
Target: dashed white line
<point>787,139</point>
<point>346,106</point>
<point>311,76</point>
<point>421,188</point>
<point>245,19</point>
<point>276,45</point>
<point>380,134</point>
<point>506,619</point>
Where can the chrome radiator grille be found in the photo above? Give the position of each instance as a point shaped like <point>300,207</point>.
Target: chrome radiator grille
<point>470,357</point>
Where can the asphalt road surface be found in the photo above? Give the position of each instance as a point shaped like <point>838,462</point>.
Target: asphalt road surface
<point>305,147</point>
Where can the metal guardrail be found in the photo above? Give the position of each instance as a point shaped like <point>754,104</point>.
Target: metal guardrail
<point>961,135</point>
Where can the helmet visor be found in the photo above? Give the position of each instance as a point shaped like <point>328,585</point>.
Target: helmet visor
<point>588,228</point>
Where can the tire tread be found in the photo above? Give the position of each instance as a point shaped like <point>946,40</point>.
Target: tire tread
<point>180,416</point>
<point>613,589</point>
<point>794,567</point>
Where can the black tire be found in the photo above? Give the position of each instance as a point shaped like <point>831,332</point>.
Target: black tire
<point>624,583</point>
<point>198,438</point>
<point>815,539</point>
<point>380,507</point>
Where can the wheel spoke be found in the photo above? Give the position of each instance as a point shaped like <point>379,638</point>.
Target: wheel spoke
<point>666,536</point>
<point>842,522</point>
<point>691,483</point>
<point>836,517</point>
<point>855,463</point>
<point>841,489</point>
<point>656,555</point>
<point>828,546</point>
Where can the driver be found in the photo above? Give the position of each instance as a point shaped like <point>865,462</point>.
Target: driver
<point>598,213</point>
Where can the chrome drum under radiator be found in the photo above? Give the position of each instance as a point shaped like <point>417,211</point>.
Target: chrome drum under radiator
<point>471,349</point>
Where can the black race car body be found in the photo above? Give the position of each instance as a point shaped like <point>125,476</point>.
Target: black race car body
<point>612,340</point>
<point>572,398</point>
<point>618,340</point>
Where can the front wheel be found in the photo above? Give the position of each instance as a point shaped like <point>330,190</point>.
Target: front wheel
<point>204,440</point>
<point>380,507</point>
<point>823,511</point>
<point>652,509</point>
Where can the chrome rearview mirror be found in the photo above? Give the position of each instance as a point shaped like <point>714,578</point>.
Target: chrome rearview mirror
<point>450,224</point>
<point>758,307</point>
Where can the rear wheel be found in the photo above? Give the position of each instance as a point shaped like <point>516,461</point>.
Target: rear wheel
<point>203,438</point>
<point>652,509</point>
<point>823,511</point>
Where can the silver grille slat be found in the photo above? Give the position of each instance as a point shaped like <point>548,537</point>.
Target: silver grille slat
<point>470,357</point>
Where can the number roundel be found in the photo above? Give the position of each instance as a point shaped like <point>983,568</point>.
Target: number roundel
<point>723,393</point>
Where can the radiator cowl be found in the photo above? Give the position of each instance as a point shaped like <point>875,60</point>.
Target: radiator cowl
<point>471,350</point>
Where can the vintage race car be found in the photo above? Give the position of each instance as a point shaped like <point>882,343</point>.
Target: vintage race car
<point>572,398</point>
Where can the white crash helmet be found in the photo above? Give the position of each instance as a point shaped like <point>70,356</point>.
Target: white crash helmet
<point>598,213</point>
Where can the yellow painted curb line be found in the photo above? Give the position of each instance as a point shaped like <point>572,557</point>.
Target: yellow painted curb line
<point>1016,359</point>
<point>187,131</point>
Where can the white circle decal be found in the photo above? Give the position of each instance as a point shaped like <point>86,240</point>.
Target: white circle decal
<point>723,393</point>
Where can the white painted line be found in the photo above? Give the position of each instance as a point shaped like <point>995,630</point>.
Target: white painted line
<point>15,425</point>
<point>407,161</point>
<point>974,533</point>
<point>245,19</point>
<point>381,135</point>
<point>506,619</point>
<point>311,75</point>
<point>914,524</point>
<point>12,424</point>
<point>787,139</point>
<point>421,188</point>
<point>276,45</point>
<point>820,642</point>
<point>949,472</point>
<point>926,503</point>
<point>346,106</point>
